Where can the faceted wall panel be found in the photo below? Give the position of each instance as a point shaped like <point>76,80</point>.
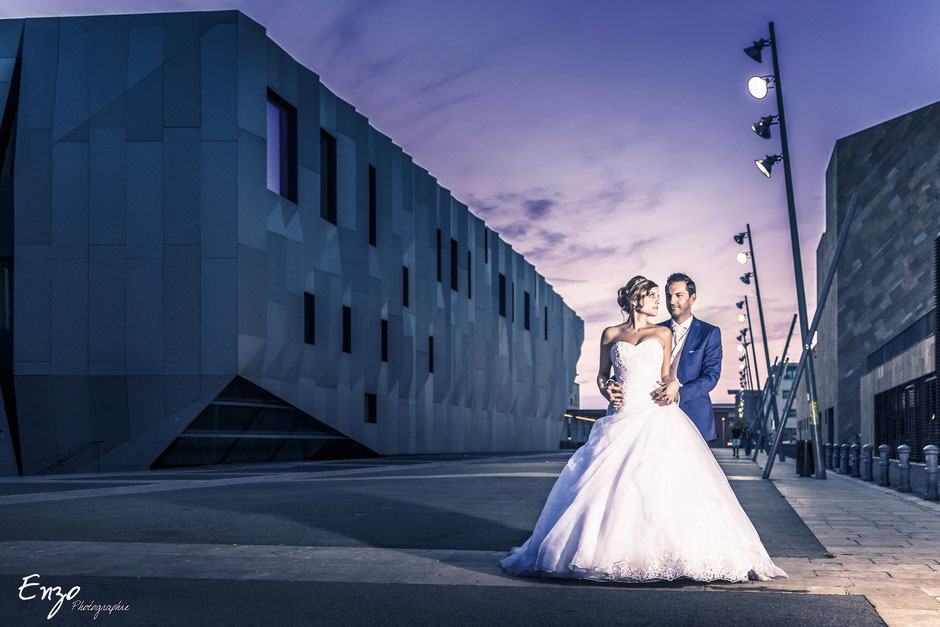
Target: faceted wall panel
<point>153,266</point>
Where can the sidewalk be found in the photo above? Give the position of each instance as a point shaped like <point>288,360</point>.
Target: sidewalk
<point>886,544</point>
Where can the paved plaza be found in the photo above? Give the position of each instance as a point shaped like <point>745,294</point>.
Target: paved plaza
<point>417,540</point>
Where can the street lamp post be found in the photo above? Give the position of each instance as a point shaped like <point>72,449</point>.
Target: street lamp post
<point>763,327</point>
<point>747,369</point>
<point>747,308</point>
<point>742,372</point>
<point>773,383</point>
<point>754,53</point>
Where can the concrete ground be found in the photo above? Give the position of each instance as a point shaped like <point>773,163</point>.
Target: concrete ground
<point>385,541</point>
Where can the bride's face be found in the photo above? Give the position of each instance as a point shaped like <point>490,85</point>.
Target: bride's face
<point>649,304</point>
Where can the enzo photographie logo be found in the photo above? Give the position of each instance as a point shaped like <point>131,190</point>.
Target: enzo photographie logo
<point>54,595</point>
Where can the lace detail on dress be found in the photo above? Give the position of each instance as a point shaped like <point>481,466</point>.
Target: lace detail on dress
<point>636,368</point>
<point>667,565</point>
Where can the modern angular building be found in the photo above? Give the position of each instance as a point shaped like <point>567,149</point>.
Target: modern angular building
<point>208,257</point>
<point>876,358</point>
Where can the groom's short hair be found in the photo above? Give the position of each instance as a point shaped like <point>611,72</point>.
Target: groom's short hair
<point>675,277</point>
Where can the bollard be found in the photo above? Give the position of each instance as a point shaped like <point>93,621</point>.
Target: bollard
<point>844,460</point>
<point>853,461</point>
<point>884,477</point>
<point>836,457</point>
<point>904,465</point>
<point>828,455</point>
<point>930,456</point>
<point>866,463</point>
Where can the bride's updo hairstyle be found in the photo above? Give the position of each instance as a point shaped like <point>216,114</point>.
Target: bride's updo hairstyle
<point>630,295</point>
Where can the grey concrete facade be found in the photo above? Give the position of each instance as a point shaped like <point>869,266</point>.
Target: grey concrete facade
<point>152,265</point>
<point>885,280</point>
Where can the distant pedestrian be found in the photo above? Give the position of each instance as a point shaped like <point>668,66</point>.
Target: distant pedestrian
<point>736,440</point>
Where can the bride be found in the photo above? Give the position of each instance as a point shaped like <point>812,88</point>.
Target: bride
<point>643,499</point>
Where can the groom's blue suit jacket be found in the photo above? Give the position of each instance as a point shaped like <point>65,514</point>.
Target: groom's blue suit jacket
<point>699,370</point>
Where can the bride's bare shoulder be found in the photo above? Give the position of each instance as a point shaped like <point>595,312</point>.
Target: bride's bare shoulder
<point>662,332</point>
<point>610,334</point>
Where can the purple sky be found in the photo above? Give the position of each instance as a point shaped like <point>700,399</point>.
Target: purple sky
<point>608,139</point>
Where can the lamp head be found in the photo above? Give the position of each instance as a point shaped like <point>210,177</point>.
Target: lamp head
<point>739,238</point>
<point>742,317</point>
<point>740,304</point>
<point>746,278</point>
<point>765,165</point>
<point>758,86</point>
<point>742,258</point>
<point>762,128</point>
<point>755,51</point>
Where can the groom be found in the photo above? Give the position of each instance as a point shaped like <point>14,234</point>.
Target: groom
<point>696,358</point>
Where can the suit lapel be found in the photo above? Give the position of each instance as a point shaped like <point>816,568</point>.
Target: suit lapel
<point>690,340</point>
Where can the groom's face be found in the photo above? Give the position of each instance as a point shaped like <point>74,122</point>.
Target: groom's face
<point>678,301</point>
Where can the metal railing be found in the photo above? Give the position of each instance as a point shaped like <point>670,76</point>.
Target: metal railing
<point>871,464</point>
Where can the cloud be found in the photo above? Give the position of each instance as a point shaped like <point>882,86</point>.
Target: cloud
<point>538,207</point>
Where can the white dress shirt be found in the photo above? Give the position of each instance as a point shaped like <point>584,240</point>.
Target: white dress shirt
<point>679,332</point>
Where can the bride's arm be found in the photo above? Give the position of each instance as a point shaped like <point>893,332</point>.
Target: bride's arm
<point>603,370</point>
<point>666,336</point>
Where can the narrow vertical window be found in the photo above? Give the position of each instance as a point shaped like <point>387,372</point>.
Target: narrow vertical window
<point>309,318</point>
<point>438,255</point>
<point>404,286</point>
<point>384,340</point>
<point>327,177</point>
<point>282,147</point>
<point>453,264</point>
<point>502,295</point>
<point>486,245</point>
<point>372,209</point>
<point>431,353</point>
<point>525,310</point>
<point>513,301</point>
<point>469,275</point>
<point>371,407</point>
<point>545,318</point>
<point>274,147</point>
<point>347,329</point>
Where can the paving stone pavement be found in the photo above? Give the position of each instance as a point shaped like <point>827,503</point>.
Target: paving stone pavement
<point>885,544</point>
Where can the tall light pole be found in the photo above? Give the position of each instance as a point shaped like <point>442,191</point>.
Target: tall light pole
<point>742,258</point>
<point>754,52</point>
<point>745,366</point>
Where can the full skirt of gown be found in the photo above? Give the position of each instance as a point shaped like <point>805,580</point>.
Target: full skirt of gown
<point>643,500</point>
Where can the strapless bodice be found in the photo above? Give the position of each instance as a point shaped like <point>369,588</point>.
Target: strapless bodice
<point>637,367</point>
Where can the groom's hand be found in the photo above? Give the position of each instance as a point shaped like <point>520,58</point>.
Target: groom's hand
<point>614,392</point>
<point>666,393</point>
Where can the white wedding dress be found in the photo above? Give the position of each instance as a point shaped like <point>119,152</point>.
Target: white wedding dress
<point>643,499</point>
